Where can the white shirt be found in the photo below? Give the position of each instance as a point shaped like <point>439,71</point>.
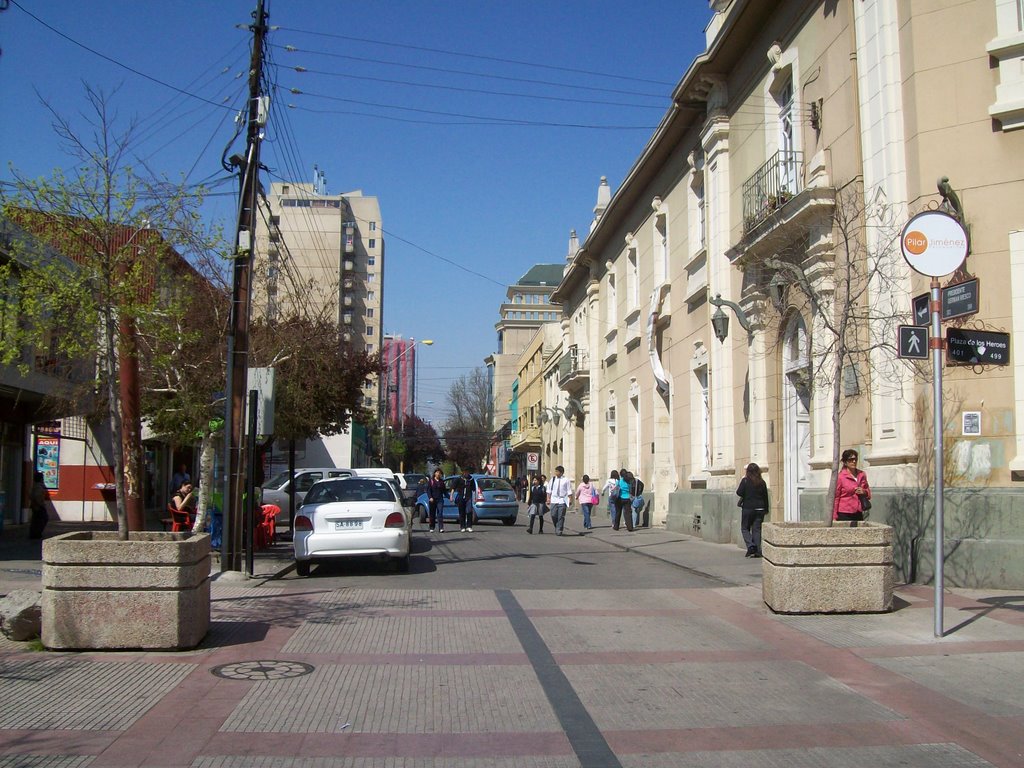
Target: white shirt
<point>559,489</point>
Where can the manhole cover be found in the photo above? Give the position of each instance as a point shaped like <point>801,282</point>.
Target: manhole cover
<point>262,670</point>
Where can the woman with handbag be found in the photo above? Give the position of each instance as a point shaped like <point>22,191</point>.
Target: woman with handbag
<point>611,490</point>
<point>753,493</point>
<point>586,495</point>
<point>853,494</point>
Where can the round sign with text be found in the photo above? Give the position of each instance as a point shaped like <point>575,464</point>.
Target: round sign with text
<point>934,243</point>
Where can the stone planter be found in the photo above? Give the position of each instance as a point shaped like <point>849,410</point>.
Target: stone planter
<point>813,568</point>
<point>152,591</point>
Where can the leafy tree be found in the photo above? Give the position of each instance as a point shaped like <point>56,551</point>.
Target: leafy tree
<point>86,308</point>
<point>419,443</point>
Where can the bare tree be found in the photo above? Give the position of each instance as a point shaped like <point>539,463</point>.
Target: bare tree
<point>852,299</point>
<point>468,431</point>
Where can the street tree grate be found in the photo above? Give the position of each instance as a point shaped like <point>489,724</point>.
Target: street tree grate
<point>262,670</point>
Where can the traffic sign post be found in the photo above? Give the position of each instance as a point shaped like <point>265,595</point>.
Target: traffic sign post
<point>935,244</point>
<point>913,342</point>
<point>532,462</point>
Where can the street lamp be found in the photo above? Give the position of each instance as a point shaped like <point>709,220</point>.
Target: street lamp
<point>720,320</point>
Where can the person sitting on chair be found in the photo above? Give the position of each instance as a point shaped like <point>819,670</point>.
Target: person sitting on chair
<point>184,499</point>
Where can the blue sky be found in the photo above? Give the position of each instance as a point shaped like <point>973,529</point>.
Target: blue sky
<point>400,100</point>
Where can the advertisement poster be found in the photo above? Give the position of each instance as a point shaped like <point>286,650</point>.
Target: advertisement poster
<point>48,460</point>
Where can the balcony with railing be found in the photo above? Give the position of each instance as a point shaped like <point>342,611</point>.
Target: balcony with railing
<point>772,186</point>
<point>780,207</point>
<point>574,369</point>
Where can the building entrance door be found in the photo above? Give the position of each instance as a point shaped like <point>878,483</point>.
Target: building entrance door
<point>796,416</point>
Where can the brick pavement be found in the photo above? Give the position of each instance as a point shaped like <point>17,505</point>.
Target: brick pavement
<point>536,678</point>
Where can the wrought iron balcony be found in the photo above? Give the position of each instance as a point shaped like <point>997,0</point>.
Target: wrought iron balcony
<point>772,186</point>
<point>574,369</point>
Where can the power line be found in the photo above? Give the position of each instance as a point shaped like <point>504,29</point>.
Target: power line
<point>481,57</point>
<point>467,73</point>
<point>114,61</point>
<point>459,89</point>
<point>483,119</point>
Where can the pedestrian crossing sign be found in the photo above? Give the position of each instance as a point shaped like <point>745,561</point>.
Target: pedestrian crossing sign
<point>913,342</point>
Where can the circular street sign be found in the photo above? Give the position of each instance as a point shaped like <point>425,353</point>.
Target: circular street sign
<point>934,243</point>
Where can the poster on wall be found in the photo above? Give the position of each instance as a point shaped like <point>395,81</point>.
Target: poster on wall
<point>48,460</point>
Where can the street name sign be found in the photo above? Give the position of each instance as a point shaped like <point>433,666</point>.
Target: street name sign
<point>966,347</point>
<point>913,342</point>
<point>960,299</point>
<point>934,243</point>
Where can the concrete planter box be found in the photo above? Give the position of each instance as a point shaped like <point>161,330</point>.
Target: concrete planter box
<point>813,568</point>
<point>152,591</point>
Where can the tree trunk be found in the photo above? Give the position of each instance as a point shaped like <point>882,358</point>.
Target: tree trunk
<point>207,448</point>
<point>114,415</point>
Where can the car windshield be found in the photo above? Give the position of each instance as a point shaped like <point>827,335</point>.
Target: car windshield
<point>493,484</point>
<point>351,489</point>
<point>277,480</point>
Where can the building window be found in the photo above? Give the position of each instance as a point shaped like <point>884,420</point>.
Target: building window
<point>369,312</point>
<point>369,330</point>
<point>371,277</point>
<point>660,245</point>
<point>371,261</point>
<point>373,226</point>
<point>610,303</point>
<point>371,296</point>
<point>369,347</point>
<point>373,243</point>
<point>632,277</point>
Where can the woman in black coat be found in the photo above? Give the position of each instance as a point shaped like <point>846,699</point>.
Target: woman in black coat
<point>435,498</point>
<point>753,493</point>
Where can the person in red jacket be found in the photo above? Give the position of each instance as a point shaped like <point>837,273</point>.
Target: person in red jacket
<point>851,487</point>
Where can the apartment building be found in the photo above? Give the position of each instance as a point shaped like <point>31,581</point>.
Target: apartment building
<point>324,255</point>
<point>798,145</point>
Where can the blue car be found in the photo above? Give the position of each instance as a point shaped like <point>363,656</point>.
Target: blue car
<point>491,498</point>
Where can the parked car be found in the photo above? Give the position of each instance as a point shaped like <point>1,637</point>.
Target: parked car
<point>355,516</point>
<point>492,498</point>
<point>275,490</point>
<point>412,484</point>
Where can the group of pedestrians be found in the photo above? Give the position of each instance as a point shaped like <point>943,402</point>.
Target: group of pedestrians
<point>458,493</point>
<point>556,494</point>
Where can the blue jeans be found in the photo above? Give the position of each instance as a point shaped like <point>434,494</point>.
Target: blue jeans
<point>558,517</point>
<point>586,515</point>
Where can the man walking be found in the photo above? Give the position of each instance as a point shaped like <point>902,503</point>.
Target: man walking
<point>559,491</point>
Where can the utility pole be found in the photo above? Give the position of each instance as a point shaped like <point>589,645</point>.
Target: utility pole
<point>241,295</point>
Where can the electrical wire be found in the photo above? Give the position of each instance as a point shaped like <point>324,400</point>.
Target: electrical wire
<point>481,57</point>
<point>467,73</point>
<point>115,62</point>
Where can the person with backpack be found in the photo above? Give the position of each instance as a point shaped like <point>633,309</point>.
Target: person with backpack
<point>637,503</point>
<point>622,502</point>
<point>611,490</point>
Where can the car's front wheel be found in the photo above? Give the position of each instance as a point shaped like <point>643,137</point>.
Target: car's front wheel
<point>302,567</point>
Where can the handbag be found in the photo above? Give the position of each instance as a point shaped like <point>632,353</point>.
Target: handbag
<point>865,503</point>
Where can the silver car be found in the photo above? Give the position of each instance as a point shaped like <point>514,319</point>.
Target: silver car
<point>276,489</point>
<point>352,517</point>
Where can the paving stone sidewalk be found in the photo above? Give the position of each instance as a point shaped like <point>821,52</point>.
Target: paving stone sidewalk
<point>298,675</point>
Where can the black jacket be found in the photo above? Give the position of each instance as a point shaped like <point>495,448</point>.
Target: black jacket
<point>753,497</point>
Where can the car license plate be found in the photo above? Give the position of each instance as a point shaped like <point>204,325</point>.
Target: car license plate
<point>347,525</point>
<point>501,498</point>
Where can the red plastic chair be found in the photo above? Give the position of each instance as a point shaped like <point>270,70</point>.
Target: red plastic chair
<point>181,522</point>
<point>266,529</point>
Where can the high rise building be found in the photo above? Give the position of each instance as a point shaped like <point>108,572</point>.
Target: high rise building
<point>324,255</point>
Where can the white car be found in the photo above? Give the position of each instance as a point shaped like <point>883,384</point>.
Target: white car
<point>351,517</point>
